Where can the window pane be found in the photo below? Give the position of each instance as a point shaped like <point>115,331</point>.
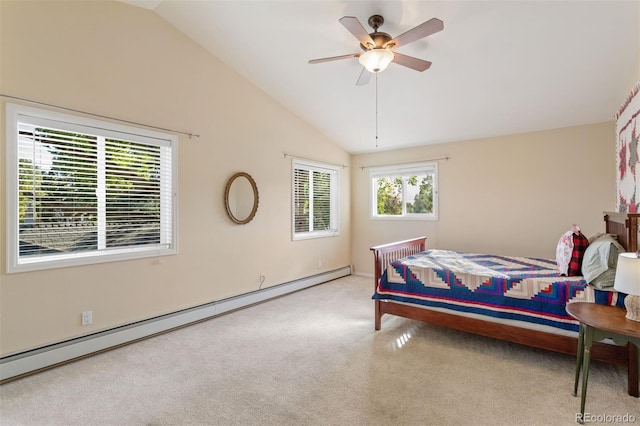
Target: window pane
<point>321,201</point>
<point>132,193</point>
<point>301,200</point>
<point>57,201</point>
<point>419,194</point>
<point>389,195</point>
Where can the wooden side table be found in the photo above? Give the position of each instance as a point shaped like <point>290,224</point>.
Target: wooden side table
<point>599,322</point>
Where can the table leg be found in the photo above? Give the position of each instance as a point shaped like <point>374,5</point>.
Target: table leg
<point>579,355</point>
<point>633,372</point>
<point>588,341</point>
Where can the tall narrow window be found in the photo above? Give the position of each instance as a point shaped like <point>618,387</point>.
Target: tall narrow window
<point>405,192</point>
<point>84,191</point>
<point>315,200</point>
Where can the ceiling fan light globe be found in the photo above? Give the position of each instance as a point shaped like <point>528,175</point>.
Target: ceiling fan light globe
<point>376,60</point>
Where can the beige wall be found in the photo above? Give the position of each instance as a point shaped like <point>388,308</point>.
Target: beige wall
<point>634,75</point>
<point>512,195</point>
<point>118,60</point>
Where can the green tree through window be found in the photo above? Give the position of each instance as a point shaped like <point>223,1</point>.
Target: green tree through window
<point>404,192</point>
<point>423,200</point>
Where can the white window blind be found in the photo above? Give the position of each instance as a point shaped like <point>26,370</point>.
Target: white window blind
<point>315,200</point>
<point>83,191</point>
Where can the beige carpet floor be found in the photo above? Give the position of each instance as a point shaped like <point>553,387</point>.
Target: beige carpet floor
<point>313,358</point>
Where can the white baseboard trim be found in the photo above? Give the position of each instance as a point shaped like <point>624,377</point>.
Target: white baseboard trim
<point>19,364</point>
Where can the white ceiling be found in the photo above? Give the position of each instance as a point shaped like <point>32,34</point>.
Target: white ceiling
<point>499,67</point>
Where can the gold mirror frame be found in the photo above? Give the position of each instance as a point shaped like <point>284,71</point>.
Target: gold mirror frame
<point>256,198</point>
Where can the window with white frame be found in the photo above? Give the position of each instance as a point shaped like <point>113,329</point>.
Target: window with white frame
<point>315,200</point>
<point>408,191</point>
<point>83,191</point>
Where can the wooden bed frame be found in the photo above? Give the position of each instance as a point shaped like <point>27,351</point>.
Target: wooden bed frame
<point>624,225</point>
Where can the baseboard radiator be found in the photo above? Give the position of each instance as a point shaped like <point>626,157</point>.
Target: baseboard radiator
<point>31,361</point>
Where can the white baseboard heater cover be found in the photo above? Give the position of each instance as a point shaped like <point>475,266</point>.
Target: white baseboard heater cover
<point>41,358</point>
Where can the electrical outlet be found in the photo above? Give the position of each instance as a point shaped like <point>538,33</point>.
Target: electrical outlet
<point>319,263</point>
<point>87,317</point>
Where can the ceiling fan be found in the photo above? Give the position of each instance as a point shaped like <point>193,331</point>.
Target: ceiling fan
<point>379,47</point>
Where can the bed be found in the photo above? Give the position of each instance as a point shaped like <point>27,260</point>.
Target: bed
<point>479,306</point>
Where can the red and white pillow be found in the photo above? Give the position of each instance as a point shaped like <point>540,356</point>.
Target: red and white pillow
<point>570,251</point>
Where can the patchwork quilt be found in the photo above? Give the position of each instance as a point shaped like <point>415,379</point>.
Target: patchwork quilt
<point>514,288</point>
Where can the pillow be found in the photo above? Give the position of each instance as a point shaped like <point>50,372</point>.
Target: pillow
<point>563,252</point>
<point>605,280</point>
<point>570,251</point>
<point>600,234</point>
<point>580,244</point>
<point>600,260</point>
<point>596,236</point>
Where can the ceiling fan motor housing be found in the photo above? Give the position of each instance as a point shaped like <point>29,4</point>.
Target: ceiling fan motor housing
<point>378,37</point>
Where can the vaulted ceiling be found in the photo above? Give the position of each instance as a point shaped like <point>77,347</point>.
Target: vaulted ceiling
<point>499,67</point>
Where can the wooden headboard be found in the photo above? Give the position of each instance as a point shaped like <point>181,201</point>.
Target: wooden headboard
<point>625,226</point>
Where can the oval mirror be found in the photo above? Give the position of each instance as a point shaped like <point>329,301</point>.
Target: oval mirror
<point>241,198</point>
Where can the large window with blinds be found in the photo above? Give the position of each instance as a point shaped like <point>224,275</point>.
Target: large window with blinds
<point>315,200</point>
<point>406,191</point>
<point>84,191</point>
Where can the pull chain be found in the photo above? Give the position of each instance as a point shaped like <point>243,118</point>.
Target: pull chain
<point>376,110</point>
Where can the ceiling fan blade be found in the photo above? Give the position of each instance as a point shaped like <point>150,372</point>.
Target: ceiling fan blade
<point>410,62</point>
<point>334,58</point>
<point>425,29</point>
<point>355,27</point>
<point>364,78</point>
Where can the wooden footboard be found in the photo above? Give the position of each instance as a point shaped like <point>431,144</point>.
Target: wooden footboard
<point>385,254</point>
<point>622,224</point>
